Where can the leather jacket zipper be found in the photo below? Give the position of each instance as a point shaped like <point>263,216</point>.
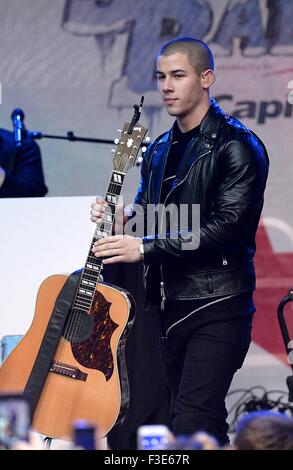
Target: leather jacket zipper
<point>162,290</point>
<point>195,311</point>
<point>162,284</point>
<point>224,260</point>
<point>186,176</point>
<point>165,163</point>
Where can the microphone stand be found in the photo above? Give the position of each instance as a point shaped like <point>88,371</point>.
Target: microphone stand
<point>73,138</point>
<point>69,136</point>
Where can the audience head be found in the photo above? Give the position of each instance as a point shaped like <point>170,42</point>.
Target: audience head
<point>264,430</point>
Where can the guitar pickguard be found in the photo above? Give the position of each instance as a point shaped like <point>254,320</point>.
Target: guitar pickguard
<point>95,352</point>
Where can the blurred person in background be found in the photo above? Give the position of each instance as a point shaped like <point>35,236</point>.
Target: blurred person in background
<point>21,169</point>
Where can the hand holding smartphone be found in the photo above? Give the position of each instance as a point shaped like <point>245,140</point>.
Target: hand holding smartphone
<point>15,419</point>
<point>155,436</point>
<point>84,435</point>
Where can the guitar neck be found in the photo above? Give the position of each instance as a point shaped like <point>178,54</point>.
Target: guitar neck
<point>125,157</point>
<point>93,266</point>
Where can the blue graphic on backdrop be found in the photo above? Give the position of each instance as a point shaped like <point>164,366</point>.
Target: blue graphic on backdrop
<point>262,28</point>
<point>148,23</point>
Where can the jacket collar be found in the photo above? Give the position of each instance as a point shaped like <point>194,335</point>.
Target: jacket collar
<point>212,121</point>
<point>209,126</point>
<point>198,147</point>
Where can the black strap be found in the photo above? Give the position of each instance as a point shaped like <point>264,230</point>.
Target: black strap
<point>38,375</point>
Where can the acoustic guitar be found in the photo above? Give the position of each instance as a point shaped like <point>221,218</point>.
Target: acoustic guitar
<point>87,377</point>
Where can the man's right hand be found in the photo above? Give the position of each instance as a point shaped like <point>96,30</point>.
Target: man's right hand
<point>99,207</point>
<point>98,210</point>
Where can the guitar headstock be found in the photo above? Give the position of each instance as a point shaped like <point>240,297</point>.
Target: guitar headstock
<point>128,147</point>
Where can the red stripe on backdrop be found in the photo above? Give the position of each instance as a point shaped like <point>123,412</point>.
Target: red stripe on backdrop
<point>274,273</point>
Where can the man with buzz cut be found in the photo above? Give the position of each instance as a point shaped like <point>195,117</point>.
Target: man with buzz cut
<point>203,279</point>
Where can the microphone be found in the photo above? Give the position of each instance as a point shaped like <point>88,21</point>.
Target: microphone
<point>17,117</point>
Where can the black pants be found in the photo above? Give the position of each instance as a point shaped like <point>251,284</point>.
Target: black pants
<point>201,356</point>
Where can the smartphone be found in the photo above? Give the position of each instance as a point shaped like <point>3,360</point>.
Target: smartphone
<point>15,419</point>
<point>151,437</point>
<point>84,434</point>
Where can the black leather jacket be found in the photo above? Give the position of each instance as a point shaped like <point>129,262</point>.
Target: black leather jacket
<point>224,169</point>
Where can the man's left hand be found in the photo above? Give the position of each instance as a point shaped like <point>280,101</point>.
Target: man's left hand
<point>118,249</point>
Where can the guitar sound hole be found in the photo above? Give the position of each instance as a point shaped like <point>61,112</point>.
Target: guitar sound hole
<point>79,329</point>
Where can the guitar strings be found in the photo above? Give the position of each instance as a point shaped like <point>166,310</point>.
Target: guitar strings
<point>75,317</point>
<point>77,312</point>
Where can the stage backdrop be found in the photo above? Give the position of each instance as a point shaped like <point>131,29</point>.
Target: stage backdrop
<point>81,65</point>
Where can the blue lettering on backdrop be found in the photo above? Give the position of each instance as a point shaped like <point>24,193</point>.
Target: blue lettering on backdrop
<point>260,111</point>
<point>279,29</point>
<point>242,20</point>
<point>149,23</point>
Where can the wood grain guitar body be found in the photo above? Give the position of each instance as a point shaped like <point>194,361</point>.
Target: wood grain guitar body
<point>87,378</point>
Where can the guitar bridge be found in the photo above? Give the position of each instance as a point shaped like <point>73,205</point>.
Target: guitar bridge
<point>67,371</point>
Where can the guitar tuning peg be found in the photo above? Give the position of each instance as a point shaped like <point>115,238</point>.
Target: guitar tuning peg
<point>116,141</point>
<point>119,130</point>
<point>143,149</point>
<point>147,139</point>
<point>139,160</point>
<point>113,150</point>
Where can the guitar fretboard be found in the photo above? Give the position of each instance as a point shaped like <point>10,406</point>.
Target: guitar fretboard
<point>125,157</point>
<point>93,265</point>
